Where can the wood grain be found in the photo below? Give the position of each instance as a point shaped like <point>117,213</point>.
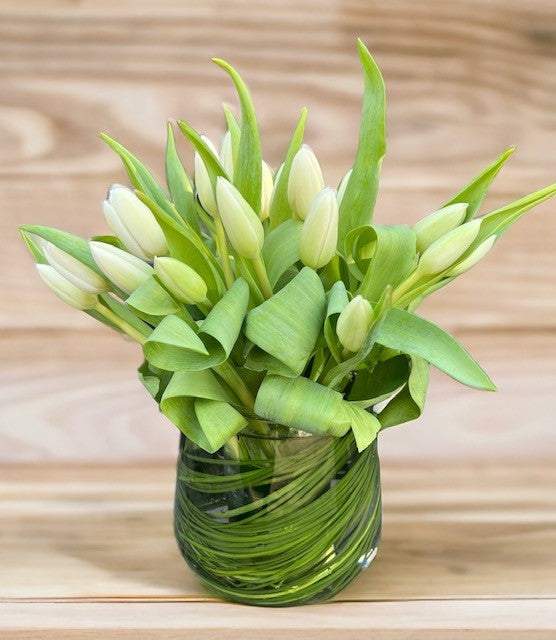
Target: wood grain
<point>74,396</point>
<point>99,557</point>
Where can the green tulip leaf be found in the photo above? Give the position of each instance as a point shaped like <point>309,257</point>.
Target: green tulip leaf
<point>281,249</point>
<point>73,245</point>
<point>234,129</point>
<point>126,314</point>
<point>280,209</point>
<point>179,184</point>
<point>248,162</point>
<point>474,193</point>
<point>374,386</point>
<point>184,244</point>
<point>175,346</point>
<point>499,221</point>
<point>411,334</point>
<point>337,300</point>
<point>393,260</point>
<point>198,405</point>
<point>139,175</point>
<point>288,324</point>
<point>408,404</point>
<point>300,403</point>
<point>364,424</point>
<point>212,163</point>
<point>153,299</point>
<point>359,199</point>
<point>360,246</point>
<point>154,380</point>
<point>33,247</point>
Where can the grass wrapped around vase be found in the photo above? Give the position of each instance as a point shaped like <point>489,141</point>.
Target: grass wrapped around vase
<point>278,329</point>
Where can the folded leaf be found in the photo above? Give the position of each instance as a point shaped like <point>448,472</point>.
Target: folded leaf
<point>153,299</point>
<point>393,260</point>
<point>33,247</point>
<point>365,425</point>
<point>280,209</point>
<point>409,402</point>
<point>371,387</point>
<point>411,334</point>
<point>175,346</point>
<point>287,325</point>
<point>300,403</point>
<point>337,300</point>
<point>248,163</point>
<point>154,380</point>
<point>474,193</point>
<point>359,198</point>
<point>281,249</point>
<point>199,406</point>
<point>360,246</point>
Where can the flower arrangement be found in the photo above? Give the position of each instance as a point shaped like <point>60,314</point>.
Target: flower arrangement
<point>270,308</point>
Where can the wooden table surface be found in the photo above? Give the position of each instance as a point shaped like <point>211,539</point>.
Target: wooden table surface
<point>467,552</point>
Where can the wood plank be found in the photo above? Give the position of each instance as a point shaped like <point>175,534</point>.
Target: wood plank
<point>88,533</point>
<point>74,396</point>
<point>457,96</point>
<point>486,620</point>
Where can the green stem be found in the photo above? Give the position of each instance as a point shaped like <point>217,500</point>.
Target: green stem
<point>222,248</point>
<point>231,377</point>
<point>406,285</point>
<point>124,326</point>
<point>262,276</point>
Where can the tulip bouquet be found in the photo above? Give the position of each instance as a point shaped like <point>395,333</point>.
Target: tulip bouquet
<point>279,334</point>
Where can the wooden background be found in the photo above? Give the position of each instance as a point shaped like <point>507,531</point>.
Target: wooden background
<point>465,79</point>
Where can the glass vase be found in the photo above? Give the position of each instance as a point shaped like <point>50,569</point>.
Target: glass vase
<point>278,520</point>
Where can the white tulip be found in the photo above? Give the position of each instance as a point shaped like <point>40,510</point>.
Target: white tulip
<point>266,190</point>
<point>319,234</point>
<point>133,223</point>
<point>305,181</point>
<point>73,270</point>
<point>126,271</point>
<point>243,227</point>
<point>66,290</point>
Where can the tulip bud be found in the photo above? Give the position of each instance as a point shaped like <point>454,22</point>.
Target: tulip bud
<point>266,190</point>
<point>73,270</point>
<point>133,223</point>
<point>305,181</point>
<point>243,227</point>
<point>472,259</point>
<point>319,235</point>
<point>342,186</point>
<point>127,272</point>
<point>205,192</point>
<point>227,155</point>
<point>446,250</point>
<point>437,224</point>
<point>66,290</point>
<point>354,323</point>
<point>180,280</point>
